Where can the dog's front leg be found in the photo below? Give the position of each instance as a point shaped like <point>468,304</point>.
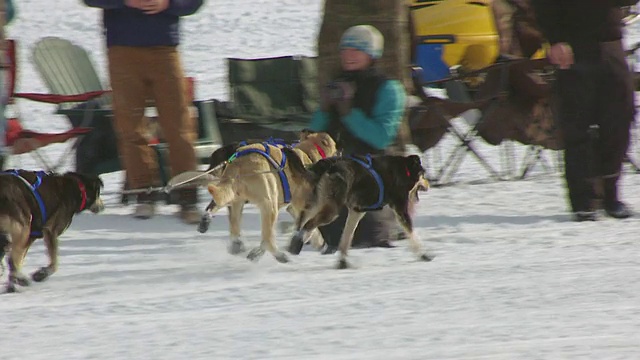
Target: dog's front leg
<point>51,242</point>
<point>297,240</point>
<point>407,224</point>
<point>353,218</point>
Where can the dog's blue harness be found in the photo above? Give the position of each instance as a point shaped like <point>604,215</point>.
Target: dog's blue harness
<point>34,190</point>
<point>271,141</point>
<point>267,154</point>
<point>369,166</point>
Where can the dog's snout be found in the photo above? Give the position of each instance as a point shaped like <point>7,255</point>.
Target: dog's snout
<point>423,184</point>
<point>97,207</point>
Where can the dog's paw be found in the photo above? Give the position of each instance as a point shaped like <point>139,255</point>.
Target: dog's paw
<point>41,274</point>
<point>343,264</point>
<point>255,254</point>
<point>328,250</point>
<point>205,221</point>
<point>295,246</point>
<point>10,289</point>
<point>20,280</point>
<point>426,257</point>
<point>281,257</point>
<point>236,247</point>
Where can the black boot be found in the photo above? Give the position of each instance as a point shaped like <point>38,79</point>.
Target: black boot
<point>581,216</point>
<point>618,210</point>
<point>612,206</point>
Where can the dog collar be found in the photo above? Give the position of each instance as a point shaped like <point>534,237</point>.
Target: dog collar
<point>320,151</point>
<point>83,194</point>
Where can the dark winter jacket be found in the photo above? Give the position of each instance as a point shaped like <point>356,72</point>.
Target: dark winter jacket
<point>125,26</point>
<point>581,23</point>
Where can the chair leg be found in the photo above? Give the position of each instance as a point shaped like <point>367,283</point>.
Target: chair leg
<point>456,157</point>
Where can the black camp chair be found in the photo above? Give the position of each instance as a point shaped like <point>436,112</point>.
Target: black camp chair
<point>272,96</point>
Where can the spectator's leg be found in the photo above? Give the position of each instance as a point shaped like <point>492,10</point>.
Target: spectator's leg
<point>126,65</point>
<point>576,93</point>
<point>168,88</point>
<point>617,114</point>
<point>178,128</point>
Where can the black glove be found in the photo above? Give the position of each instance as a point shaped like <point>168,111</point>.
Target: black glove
<point>337,95</point>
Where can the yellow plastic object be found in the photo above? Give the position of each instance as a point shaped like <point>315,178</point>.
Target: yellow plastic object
<point>465,28</point>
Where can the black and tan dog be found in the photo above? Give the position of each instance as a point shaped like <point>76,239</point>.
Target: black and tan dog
<point>361,184</point>
<point>36,205</point>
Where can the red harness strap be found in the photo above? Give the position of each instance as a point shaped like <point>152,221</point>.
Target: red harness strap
<point>83,194</point>
<point>320,151</point>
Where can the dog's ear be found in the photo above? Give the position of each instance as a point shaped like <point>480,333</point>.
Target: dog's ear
<point>304,133</point>
<point>326,140</point>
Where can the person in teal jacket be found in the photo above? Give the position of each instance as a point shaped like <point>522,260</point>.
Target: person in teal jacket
<point>7,13</point>
<point>362,110</point>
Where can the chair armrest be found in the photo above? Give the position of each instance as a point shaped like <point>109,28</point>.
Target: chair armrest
<point>59,99</point>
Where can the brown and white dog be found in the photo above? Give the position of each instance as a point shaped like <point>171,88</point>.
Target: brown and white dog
<point>361,184</point>
<point>257,174</point>
<point>36,205</point>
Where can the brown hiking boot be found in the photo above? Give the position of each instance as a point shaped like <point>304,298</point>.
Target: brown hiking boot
<point>188,200</point>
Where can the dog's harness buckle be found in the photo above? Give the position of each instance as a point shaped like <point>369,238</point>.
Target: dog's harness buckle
<point>34,190</point>
<point>280,167</point>
<point>369,166</point>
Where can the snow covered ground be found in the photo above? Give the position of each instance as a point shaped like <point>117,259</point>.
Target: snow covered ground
<point>514,278</point>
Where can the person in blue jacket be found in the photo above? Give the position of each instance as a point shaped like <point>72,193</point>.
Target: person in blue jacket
<point>362,110</point>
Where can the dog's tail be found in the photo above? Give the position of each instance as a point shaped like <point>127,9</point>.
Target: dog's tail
<point>298,170</point>
<point>223,192</point>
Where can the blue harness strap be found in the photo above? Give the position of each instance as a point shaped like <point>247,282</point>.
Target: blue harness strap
<point>368,165</point>
<point>34,190</point>
<point>271,141</point>
<point>267,154</point>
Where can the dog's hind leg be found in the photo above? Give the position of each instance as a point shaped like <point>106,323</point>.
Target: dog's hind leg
<point>236,246</point>
<point>268,215</point>
<point>19,249</point>
<point>353,218</point>
<point>407,224</point>
<point>51,242</point>
<point>307,226</point>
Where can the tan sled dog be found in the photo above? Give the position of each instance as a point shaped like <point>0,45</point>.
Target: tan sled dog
<point>258,174</point>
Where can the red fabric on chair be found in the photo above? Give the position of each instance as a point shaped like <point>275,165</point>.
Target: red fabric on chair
<point>24,141</point>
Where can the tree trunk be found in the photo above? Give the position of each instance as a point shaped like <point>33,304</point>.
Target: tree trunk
<point>391,17</point>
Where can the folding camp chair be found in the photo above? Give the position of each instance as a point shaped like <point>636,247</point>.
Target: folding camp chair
<point>271,97</point>
<point>20,140</point>
<point>66,69</point>
<point>466,130</point>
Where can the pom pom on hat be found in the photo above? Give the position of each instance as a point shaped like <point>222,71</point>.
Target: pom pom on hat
<point>365,38</point>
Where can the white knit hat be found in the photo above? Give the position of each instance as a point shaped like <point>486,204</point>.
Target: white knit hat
<point>365,38</point>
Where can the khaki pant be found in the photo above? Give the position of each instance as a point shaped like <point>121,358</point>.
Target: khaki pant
<point>137,74</point>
